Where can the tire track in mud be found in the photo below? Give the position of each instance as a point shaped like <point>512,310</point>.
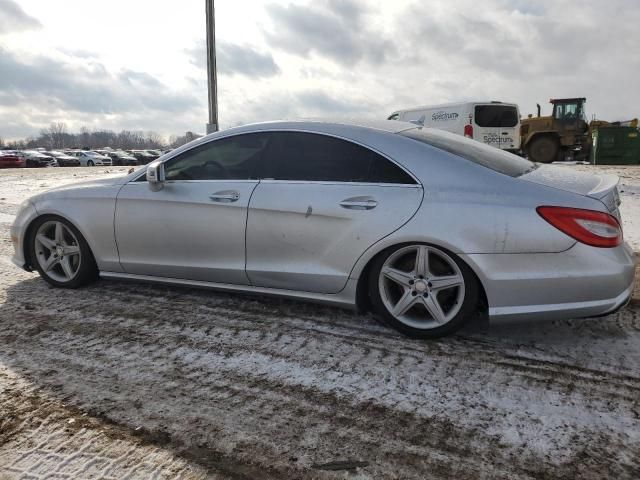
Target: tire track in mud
<point>116,335</point>
<point>244,403</point>
<point>40,438</point>
<point>204,372</point>
<point>539,369</point>
<point>378,339</point>
<point>255,399</point>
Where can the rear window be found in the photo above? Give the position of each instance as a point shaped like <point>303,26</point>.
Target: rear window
<point>476,152</point>
<point>498,116</point>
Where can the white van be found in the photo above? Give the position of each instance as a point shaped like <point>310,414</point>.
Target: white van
<point>494,123</point>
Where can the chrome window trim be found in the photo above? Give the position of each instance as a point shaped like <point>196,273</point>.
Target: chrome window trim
<point>301,182</point>
<point>299,130</point>
<point>334,182</point>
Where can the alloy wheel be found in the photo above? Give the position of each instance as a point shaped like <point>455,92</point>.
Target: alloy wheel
<point>57,251</point>
<point>421,286</point>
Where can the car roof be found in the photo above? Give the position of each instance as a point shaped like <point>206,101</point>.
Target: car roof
<point>319,124</point>
<point>349,128</point>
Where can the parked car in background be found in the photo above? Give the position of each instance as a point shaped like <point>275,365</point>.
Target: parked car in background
<point>63,159</point>
<point>142,156</point>
<point>120,157</point>
<point>424,227</point>
<point>496,124</point>
<point>155,153</point>
<point>12,159</point>
<point>89,158</point>
<point>35,159</point>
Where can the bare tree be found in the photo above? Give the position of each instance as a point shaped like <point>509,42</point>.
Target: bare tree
<point>154,140</point>
<point>83,137</point>
<point>55,135</point>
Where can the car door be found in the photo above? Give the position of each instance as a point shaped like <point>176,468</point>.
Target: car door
<point>194,228</point>
<point>497,125</point>
<point>321,203</point>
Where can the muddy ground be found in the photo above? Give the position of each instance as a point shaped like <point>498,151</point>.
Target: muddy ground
<point>124,380</point>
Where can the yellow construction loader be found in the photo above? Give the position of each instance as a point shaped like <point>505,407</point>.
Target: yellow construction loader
<point>564,135</point>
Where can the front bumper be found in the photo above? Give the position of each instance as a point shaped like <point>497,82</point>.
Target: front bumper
<point>580,282</point>
<point>18,230</point>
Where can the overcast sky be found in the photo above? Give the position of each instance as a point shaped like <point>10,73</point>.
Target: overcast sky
<point>140,64</point>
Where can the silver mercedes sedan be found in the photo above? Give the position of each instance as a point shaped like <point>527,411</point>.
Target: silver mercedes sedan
<point>422,227</point>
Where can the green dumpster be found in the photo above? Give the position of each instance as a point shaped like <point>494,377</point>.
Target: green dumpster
<point>615,146</point>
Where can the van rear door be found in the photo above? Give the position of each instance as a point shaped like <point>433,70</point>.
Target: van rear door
<point>497,124</point>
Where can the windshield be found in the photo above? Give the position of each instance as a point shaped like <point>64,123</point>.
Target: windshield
<point>476,152</point>
<point>497,116</point>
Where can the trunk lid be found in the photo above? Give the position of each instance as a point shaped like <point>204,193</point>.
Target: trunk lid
<point>601,187</point>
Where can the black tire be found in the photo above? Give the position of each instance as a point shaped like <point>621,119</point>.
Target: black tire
<point>90,163</point>
<point>87,270</point>
<point>543,149</point>
<point>468,310</point>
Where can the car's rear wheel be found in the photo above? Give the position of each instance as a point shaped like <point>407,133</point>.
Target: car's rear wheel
<point>90,163</point>
<point>422,290</point>
<point>61,254</point>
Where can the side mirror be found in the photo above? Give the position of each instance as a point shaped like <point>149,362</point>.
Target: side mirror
<point>155,176</point>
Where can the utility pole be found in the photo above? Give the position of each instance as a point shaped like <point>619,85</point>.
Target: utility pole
<point>212,126</point>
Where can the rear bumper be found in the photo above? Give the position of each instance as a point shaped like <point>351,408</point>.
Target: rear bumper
<point>581,282</point>
<point>12,164</point>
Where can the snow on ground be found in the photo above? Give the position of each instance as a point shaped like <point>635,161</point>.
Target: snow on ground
<point>191,382</point>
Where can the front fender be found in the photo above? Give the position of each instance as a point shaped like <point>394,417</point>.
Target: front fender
<point>91,211</point>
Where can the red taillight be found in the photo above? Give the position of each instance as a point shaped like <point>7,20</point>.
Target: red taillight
<point>468,131</point>
<point>593,228</point>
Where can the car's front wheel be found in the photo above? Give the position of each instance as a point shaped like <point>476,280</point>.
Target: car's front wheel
<point>90,163</point>
<point>422,290</point>
<point>61,254</point>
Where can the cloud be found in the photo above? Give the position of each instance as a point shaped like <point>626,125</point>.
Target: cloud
<point>234,59</point>
<point>336,30</point>
<point>307,58</point>
<point>244,60</point>
<point>86,87</point>
<point>14,19</point>
<point>319,102</point>
<point>87,90</point>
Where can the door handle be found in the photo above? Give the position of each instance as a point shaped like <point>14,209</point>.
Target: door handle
<point>226,196</point>
<point>359,203</point>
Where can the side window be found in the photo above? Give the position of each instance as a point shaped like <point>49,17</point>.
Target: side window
<point>231,158</point>
<point>384,171</point>
<point>316,157</point>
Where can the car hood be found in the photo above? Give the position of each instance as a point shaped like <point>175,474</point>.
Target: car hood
<point>564,178</point>
<point>81,189</point>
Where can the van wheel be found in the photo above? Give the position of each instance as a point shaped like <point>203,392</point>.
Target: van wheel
<point>543,149</point>
<point>423,291</point>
